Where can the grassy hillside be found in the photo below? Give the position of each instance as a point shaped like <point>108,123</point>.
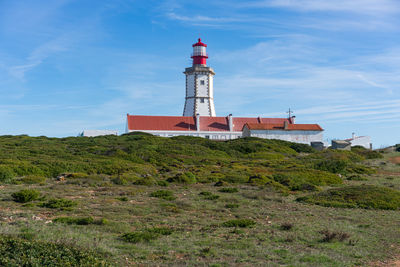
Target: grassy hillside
<point>141,199</point>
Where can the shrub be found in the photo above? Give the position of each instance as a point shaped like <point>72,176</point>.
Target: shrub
<point>286,226</point>
<point>229,190</point>
<point>302,148</point>
<point>59,203</point>
<point>183,178</point>
<point>162,183</point>
<point>364,196</point>
<point>332,165</point>
<point>221,183</point>
<point>160,230</point>
<point>258,179</point>
<point>164,194</point>
<point>75,220</point>
<point>208,195</point>
<point>239,223</point>
<point>123,198</point>
<point>33,179</point>
<point>20,252</point>
<point>356,177</point>
<point>119,181</point>
<point>146,235</point>
<point>25,195</point>
<point>6,174</point>
<point>148,181</point>
<point>330,236</point>
<point>232,206</point>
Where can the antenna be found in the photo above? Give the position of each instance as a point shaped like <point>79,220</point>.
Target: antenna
<point>290,112</point>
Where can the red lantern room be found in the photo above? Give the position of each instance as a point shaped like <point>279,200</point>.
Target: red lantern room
<point>199,53</point>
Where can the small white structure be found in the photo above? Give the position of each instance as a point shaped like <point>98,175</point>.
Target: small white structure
<point>93,133</point>
<point>199,85</point>
<point>298,133</point>
<point>364,141</point>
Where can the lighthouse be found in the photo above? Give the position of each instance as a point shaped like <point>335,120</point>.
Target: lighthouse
<point>199,100</point>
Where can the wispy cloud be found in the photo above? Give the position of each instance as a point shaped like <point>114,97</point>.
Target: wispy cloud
<point>369,7</point>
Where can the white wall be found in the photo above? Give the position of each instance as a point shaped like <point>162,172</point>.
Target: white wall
<point>303,137</point>
<point>364,141</point>
<point>204,134</point>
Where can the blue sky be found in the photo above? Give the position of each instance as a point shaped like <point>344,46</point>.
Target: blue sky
<point>70,65</point>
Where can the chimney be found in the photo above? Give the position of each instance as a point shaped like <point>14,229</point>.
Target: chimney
<point>353,136</point>
<point>230,122</point>
<point>285,125</point>
<point>291,119</point>
<point>198,122</point>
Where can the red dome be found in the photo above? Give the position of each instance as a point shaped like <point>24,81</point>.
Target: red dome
<point>199,43</point>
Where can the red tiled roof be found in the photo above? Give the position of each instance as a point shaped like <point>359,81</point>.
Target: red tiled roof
<point>161,123</point>
<point>290,127</point>
<point>179,123</point>
<point>238,123</point>
<point>214,124</point>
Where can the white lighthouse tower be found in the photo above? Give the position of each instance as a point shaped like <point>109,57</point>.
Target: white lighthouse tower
<point>199,85</point>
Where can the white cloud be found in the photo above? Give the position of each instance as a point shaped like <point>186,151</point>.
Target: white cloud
<point>369,7</point>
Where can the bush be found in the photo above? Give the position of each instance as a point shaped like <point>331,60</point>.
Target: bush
<point>229,190</point>
<point>183,178</point>
<point>208,195</point>
<point>332,165</point>
<point>286,226</point>
<point>356,177</point>
<point>74,220</point>
<point>25,195</point>
<point>20,252</point>
<point>160,230</point>
<point>6,174</point>
<point>59,203</point>
<point>148,181</point>
<point>239,223</point>
<point>330,236</point>
<point>33,179</point>
<point>164,194</point>
<point>364,196</point>
<point>136,237</point>
<point>146,235</point>
<point>232,206</point>
<point>258,179</point>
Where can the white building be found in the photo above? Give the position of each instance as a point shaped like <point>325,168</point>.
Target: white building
<point>199,117</point>
<point>364,141</point>
<point>298,133</point>
<point>93,133</point>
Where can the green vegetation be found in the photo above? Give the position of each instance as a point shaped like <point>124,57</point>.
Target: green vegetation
<point>25,195</point>
<point>73,220</point>
<point>19,252</point>
<point>59,203</point>
<point>229,190</point>
<point>146,235</point>
<point>239,223</point>
<point>364,196</point>
<point>227,203</point>
<point>164,194</point>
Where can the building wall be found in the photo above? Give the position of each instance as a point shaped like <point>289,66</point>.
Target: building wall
<point>199,94</point>
<point>364,141</point>
<point>210,135</point>
<point>304,137</point>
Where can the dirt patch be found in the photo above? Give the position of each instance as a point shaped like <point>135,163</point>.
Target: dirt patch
<point>395,160</point>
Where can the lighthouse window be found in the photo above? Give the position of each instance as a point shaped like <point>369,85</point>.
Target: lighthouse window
<point>201,100</point>
<point>202,82</point>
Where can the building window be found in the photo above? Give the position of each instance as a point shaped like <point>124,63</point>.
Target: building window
<point>201,82</point>
<point>207,136</point>
<point>201,100</point>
